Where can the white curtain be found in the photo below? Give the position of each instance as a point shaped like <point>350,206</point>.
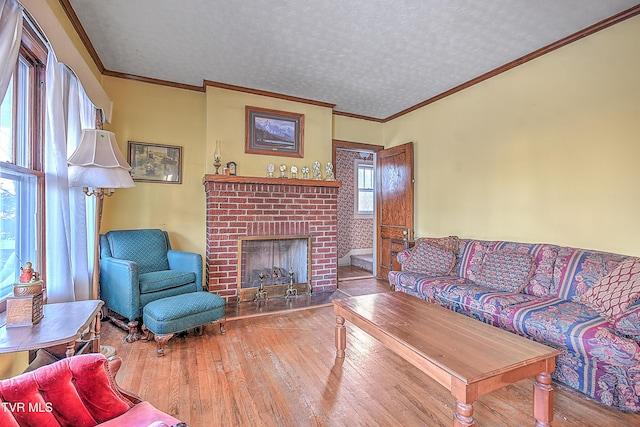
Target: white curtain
<point>67,227</point>
<point>10,35</point>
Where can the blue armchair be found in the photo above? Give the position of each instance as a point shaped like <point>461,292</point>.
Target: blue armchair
<point>139,266</point>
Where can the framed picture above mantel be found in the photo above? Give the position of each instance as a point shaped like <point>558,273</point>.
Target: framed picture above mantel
<point>273,132</point>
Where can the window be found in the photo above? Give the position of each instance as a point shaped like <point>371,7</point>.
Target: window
<point>21,177</point>
<point>363,201</point>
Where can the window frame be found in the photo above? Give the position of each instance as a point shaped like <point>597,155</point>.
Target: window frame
<point>357,213</point>
<point>33,52</point>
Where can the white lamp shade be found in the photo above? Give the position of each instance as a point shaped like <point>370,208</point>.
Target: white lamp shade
<point>99,177</point>
<point>97,162</point>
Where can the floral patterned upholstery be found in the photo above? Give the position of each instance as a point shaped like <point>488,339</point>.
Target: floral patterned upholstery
<point>601,357</point>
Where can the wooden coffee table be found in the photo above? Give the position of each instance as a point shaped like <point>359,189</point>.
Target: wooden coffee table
<point>469,358</point>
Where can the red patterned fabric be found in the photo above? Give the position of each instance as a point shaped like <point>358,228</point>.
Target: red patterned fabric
<point>613,294</point>
<point>76,391</point>
<point>430,259</point>
<point>506,270</point>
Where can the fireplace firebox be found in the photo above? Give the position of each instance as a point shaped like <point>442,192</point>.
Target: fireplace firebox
<point>273,266</point>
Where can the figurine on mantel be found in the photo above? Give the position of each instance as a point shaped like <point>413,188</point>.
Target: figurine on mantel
<point>329,172</point>
<point>294,172</point>
<point>316,171</point>
<point>305,172</point>
<point>283,171</point>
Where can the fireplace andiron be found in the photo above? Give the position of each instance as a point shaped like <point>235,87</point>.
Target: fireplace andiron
<point>291,291</point>
<point>261,294</point>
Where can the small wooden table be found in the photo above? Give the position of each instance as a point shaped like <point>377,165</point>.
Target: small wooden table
<point>469,358</point>
<point>63,323</point>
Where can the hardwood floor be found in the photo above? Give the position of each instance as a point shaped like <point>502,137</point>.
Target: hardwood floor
<point>280,370</point>
<point>349,272</point>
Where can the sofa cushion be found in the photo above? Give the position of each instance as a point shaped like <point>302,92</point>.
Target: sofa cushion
<point>430,259</point>
<point>570,325</point>
<point>167,279</point>
<point>466,297</point>
<point>545,256</point>
<point>576,270</point>
<point>451,243</point>
<point>613,294</point>
<point>470,256</point>
<point>506,271</point>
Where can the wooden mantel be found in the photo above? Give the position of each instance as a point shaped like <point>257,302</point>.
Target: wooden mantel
<point>273,181</point>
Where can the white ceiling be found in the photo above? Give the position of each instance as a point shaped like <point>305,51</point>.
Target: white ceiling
<point>373,58</point>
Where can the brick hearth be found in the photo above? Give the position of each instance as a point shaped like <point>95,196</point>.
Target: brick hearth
<point>253,206</point>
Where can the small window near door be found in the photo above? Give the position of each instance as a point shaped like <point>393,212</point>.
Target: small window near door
<point>363,194</point>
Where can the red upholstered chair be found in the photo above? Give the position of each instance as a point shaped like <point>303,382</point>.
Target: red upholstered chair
<point>78,391</point>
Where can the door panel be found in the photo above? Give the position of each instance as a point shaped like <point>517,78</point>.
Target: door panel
<point>394,201</point>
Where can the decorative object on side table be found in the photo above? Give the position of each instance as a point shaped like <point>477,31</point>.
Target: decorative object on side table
<point>232,168</point>
<point>270,169</point>
<point>316,171</point>
<point>25,307</point>
<point>329,176</point>
<point>305,172</point>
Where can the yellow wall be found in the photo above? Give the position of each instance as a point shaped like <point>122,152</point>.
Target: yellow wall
<point>226,122</point>
<point>546,152</point>
<point>357,130</point>
<point>12,364</point>
<point>150,113</point>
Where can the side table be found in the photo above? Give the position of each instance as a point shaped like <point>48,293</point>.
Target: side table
<point>62,324</point>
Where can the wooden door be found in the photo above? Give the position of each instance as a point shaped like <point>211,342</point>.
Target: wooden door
<point>394,201</point>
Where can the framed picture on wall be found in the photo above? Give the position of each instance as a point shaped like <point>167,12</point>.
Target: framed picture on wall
<point>155,162</point>
<point>273,132</point>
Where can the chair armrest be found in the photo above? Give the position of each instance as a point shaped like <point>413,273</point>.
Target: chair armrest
<point>186,261</point>
<point>114,363</point>
<point>119,286</point>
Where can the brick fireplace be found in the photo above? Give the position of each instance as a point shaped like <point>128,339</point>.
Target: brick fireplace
<point>239,207</point>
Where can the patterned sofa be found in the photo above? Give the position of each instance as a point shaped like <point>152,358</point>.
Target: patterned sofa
<point>582,302</point>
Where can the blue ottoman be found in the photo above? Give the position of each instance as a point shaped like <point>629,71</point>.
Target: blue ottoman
<point>168,316</point>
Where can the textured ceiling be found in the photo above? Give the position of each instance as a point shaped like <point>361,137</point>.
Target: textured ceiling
<point>373,58</point>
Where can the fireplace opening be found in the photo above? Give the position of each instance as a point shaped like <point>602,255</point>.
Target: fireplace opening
<point>273,266</point>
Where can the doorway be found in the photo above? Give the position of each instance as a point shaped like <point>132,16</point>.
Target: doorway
<point>354,167</point>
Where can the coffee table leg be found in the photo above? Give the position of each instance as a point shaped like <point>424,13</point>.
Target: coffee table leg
<point>341,336</point>
<point>543,400</point>
<point>464,415</point>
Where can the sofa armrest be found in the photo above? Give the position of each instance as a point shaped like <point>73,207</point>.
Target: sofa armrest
<point>403,255</point>
<point>186,261</point>
<point>119,286</point>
